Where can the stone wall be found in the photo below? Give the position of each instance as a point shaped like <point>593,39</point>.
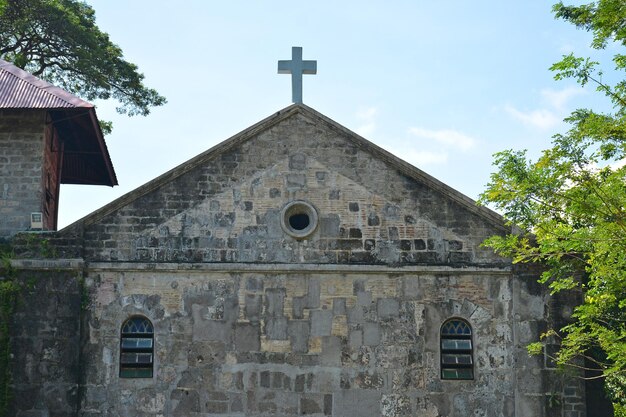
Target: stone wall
<point>45,348</point>
<point>281,341</point>
<point>333,342</point>
<point>21,161</point>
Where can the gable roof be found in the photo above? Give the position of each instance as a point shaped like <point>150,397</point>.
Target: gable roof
<point>86,158</point>
<point>402,166</point>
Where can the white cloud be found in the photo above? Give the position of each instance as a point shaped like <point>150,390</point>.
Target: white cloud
<point>541,118</point>
<point>367,117</point>
<point>422,158</point>
<point>447,137</point>
<point>551,115</point>
<point>558,99</point>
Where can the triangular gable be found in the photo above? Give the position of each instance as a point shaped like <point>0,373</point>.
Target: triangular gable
<point>492,218</point>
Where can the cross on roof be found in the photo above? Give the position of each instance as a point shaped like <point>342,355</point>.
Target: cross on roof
<point>296,67</point>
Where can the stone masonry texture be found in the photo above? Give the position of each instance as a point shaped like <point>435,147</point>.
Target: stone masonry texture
<point>252,321</point>
<point>45,360</point>
<point>21,167</point>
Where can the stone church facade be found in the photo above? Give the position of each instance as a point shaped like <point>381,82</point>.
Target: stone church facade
<point>293,269</point>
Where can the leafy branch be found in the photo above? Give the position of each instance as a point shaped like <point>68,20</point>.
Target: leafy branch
<point>59,41</point>
<point>572,202</point>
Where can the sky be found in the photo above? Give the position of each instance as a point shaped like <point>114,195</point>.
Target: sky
<point>442,85</point>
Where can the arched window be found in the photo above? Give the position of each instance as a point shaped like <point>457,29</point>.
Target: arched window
<point>137,348</point>
<point>457,350</point>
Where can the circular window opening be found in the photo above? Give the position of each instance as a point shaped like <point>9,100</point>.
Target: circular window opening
<point>299,219</point>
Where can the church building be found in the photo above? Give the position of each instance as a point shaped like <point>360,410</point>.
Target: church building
<point>293,269</point>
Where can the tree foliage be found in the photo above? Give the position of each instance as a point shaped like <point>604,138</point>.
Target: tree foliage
<point>59,41</point>
<point>573,200</point>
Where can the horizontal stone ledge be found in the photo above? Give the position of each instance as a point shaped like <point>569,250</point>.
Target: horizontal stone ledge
<point>286,268</point>
<point>52,264</point>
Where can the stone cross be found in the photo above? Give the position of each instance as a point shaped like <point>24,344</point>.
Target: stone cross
<point>296,67</point>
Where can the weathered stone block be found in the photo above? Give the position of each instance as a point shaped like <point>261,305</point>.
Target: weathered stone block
<point>311,405</point>
<point>371,334</point>
<point>253,306</point>
<point>328,404</point>
<point>188,402</point>
<point>321,322</point>
<point>275,346</point>
<point>212,330</point>
<point>298,305</point>
<point>313,293</point>
<point>294,182</point>
<point>247,337</point>
<point>355,339</point>
<point>339,306</point>
<point>331,351</point>
<point>299,331</point>
<point>356,402</point>
<point>373,220</point>
<point>236,405</point>
<point>274,301</point>
<point>388,308</point>
<point>276,328</point>
<point>329,226</point>
<point>299,383</point>
<point>297,162</point>
<point>204,353</point>
<point>356,315</point>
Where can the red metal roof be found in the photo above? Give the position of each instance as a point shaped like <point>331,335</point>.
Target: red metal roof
<point>21,90</point>
<point>86,157</point>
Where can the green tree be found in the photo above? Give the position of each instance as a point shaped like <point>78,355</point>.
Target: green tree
<point>573,200</point>
<point>59,41</point>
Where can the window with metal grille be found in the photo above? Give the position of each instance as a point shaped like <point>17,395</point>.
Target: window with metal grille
<point>457,350</point>
<point>137,348</point>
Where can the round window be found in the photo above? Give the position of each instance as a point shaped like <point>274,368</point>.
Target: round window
<point>299,219</point>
